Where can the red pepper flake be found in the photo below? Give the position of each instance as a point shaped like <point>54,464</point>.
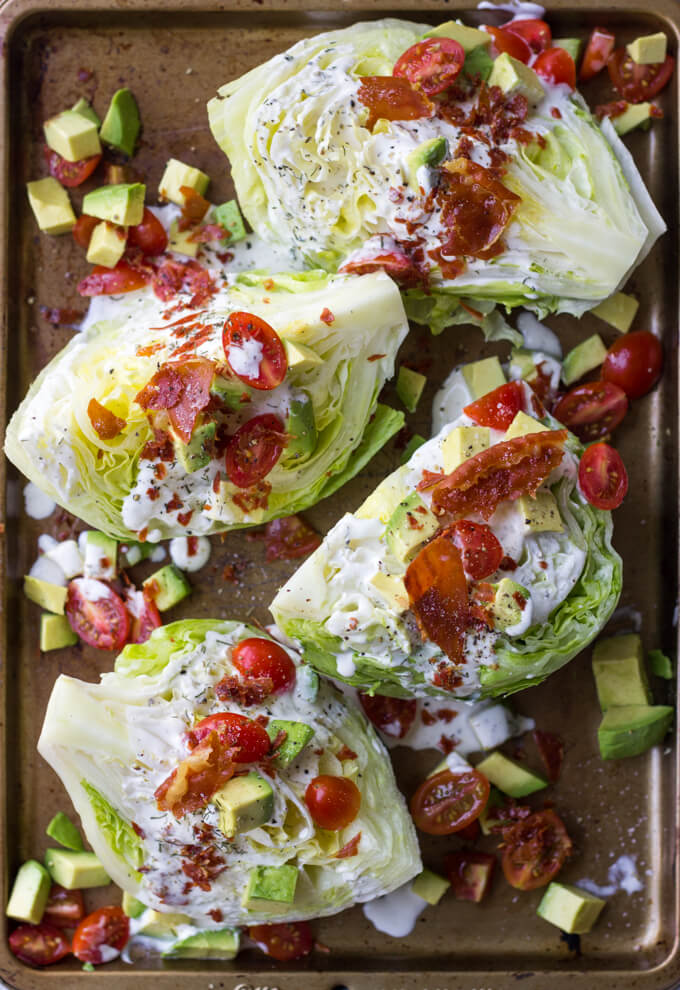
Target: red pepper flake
<point>446,744</point>
<point>468,309</point>
<point>519,600</point>
<point>279,740</point>
<point>327,317</point>
<point>138,830</point>
<point>192,546</point>
<point>148,349</point>
<point>216,915</point>
<point>446,714</point>
<point>543,564</point>
<point>153,493</point>
<point>507,564</point>
<point>350,848</point>
<point>225,257</point>
<point>184,518</point>
<point>174,503</point>
<point>346,754</point>
<point>556,113</point>
<point>160,471</point>
<point>427,717</point>
<point>375,357</point>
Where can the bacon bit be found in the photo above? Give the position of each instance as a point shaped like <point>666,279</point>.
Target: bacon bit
<point>191,784</point>
<point>346,754</point>
<point>447,677</point>
<point>393,98</point>
<point>138,830</point>
<point>153,493</point>
<point>375,357</point>
<point>446,744</point>
<point>61,317</point>
<point>327,317</point>
<point>224,256</point>
<point>429,479</point>
<point>289,538</point>
<point>257,497</point>
<point>174,503</point>
<point>611,110</point>
<point>262,720</point>
<point>350,848</point>
<point>160,448</point>
<point>427,717</point>
<point>184,518</point>
<point>556,113</point>
<point>353,623</point>
<point>507,564</point>
<point>192,546</point>
<point>216,915</point>
<point>395,195</point>
<point>437,591</point>
<point>181,389</point>
<point>543,564</point>
<point>475,208</point>
<point>229,574</point>
<point>150,349</point>
<point>551,749</point>
<point>246,690</point>
<point>207,233</point>
<point>468,309</point>
<point>519,601</point>
<point>202,864</point>
<point>141,538</point>
<point>194,208</point>
<point>446,715</point>
<point>106,424</point>
<point>160,471</point>
<point>279,740</point>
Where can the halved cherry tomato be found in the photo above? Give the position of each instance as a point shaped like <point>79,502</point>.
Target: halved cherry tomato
<point>498,408</point>
<point>236,731</point>
<point>602,476</point>
<point>481,551</point>
<point>39,945</point>
<point>250,343</point>
<point>393,716</point>
<point>556,66</point>
<point>254,450</point>
<point>535,32</point>
<point>438,594</point>
<point>592,410</point>
<point>392,98</point>
<point>333,802</point>
<point>82,232</point>
<point>447,802</point>
<point>112,281</point>
<point>600,46</point>
<point>284,941</point>
<point>506,41</point>
<point>551,749</point>
<point>149,235</point>
<point>534,850</point>
<point>105,929</point>
<point>431,65</point>
<point>70,174</point>
<point>97,614</point>
<point>470,874</point>
<point>256,657</point>
<point>144,615</point>
<point>289,538</point>
<point>64,908</point>
<point>634,363</point>
<point>637,83</point>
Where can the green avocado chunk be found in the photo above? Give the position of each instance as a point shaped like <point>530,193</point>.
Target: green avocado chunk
<point>411,447</point>
<point>410,385</point>
<point>618,310</point>
<point>120,127</point>
<point>75,869</point>
<point>131,906</point>
<point>635,115</point>
<point>167,587</point>
<point>222,944</point>
<point>271,883</point>
<point>49,596</point>
<point>572,46</point>
<point>510,777</point>
<point>230,393</point>
<point>301,430</point>
<point>478,64</point>
<point>429,154</point>
<point>55,632</point>
<point>30,891</point>
<point>430,886</point>
<point>297,736</point>
<point>244,803</point>
<point>101,556</point>
<point>86,110</point>
<point>660,664</point>
<point>63,831</point>
<point>468,37</point>
<point>229,217</point>
<point>573,910</point>
<point>585,357</point>
<point>410,525</point>
<point>483,376</point>
<point>507,610</point>
<point>632,729</point>
<point>161,924</point>
<point>122,204</point>
<point>619,670</point>
<point>195,454</point>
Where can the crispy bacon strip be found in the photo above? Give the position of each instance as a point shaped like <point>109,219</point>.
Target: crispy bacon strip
<point>350,848</point>
<point>105,423</point>
<point>476,208</point>
<point>503,472</point>
<point>437,591</point>
<point>200,775</point>
<point>183,389</point>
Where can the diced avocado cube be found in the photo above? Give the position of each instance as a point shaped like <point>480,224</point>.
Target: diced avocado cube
<point>86,110</point>
<point>63,831</point>
<point>51,206</point>
<point>430,886</point>
<point>132,553</point>
<point>586,356</point>
<point>72,135</point>
<point>230,392</point>
<point>510,777</point>
<point>493,726</point>
<point>298,734</point>
<point>131,906</point>
<point>181,241</point>
<point>75,869</point>
<point>478,64</point>
<point>195,454</point>
<point>619,671</point>
<point>509,605</point>
<point>572,46</point>
<point>300,357</point>
<point>29,894</point>
<point>573,910</point>
<point>462,443</point>
<point>541,514</point>
<point>244,803</point>
<point>228,216</point>
<point>120,128</point>
<point>429,154</point>
<point>391,589</point>
<point>382,502</point>
<point>632,729</point>
<point>101,556</point>
<point>522,425</point>
<point>469,38</point>
<point>522,363</point>
<point>161,924</point>
<point>411,447</point>
<point>410,385</point>
<point>222,944</point>
<point>301,430</point>
<point>55,632</point>
<point>123,204</point>
<point>176,175</point>
<point>483,376</point>
<point>271,883</point>
<point>635,115</point>
<point>619,311</point>
<point>512,76</point>
<point>49,596</point>
<point>107,245</point>
<point>410,525</point>
<point>167,587</point>
<point>648,49</point>
<point>660,664</point>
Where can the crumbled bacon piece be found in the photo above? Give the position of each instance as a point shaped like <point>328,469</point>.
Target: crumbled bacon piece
<point>427,718</point>
<point>197,777</point>
<point>246,690</point>
<point>202,864</point>
<point>327,317</point>
<point>346,754</point>
<point>350,848</point>
<point>106,424</point>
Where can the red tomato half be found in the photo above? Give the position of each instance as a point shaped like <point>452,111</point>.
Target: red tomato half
<point>447,802</point>
<point>64,908</point>
<point>258,658</point>
<point>470,874</point>
<point>105,929</point>
<point>431,65</point>
<point>506,41</point>
<point>637,83</point>
<point>602,476</point>
<point>254,450</point>
<point>289,538</point>
<point>481,551</point>
<point>534,850</point>
<point>39,945</point>
<point>70,174</point>
<point>600,46</point>
<point>245,335</point>
<point>556,66</point>
<point>333,802</point>
<point>592,410</point>
<point>393,716</point>
<point>82,232</point>
<point>498,408</point>
<point>112,281</point>
<point>149,235</point>
<point>236,731</point>
<point>536,33</point>
<point>634,363</point>
<point>144,615</point>
<point>103,621</point>
<point>285,941</point>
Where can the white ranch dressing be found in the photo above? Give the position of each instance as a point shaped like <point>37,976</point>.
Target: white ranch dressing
<point>395,914</point>
<point>37,504</point>
<point>621,875</point>
<point>190,561</point>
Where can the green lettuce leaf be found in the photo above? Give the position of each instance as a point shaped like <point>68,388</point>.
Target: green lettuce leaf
<point>122,837</point>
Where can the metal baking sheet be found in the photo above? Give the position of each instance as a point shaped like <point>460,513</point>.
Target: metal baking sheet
<point>174,56</point>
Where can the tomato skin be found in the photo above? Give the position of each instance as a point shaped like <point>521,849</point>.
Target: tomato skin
<point>148,235</point>
<point>257,657</point>
<point>144,616</point>
<point>239,329</point>
<point>592,410</point>
<point>600,46</point>
<point>602,476</point>
<point>333,802</point>
<point>448,802</point>
<point>112,281</point>
<point>107,926</point>
<point>39,945</point>
<point>64,908</point>
<point>498,408</point>
<point>431,65</point>
<point>103,623</point>
<point>392,98</point>
<point>70,174</point>
<point>634,362</point>
<point>507,41</point>
<point>534,32</point>
<point>397,264</point>
<point>289,538</point>
<point>534,850</point>
<point>393,716</point>
<point>637,83</point>
<point>481,551</point>
<point>283,942</point>
<point>82,232</point>
<point>470,874</point>
<point>556,66</point>
<point>236,731</point>
<point>254,450</point>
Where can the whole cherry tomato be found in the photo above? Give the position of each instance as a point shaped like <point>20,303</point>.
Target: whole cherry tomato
<point>258,657</point>
<point>634,363</point>
<point>333,802</point>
